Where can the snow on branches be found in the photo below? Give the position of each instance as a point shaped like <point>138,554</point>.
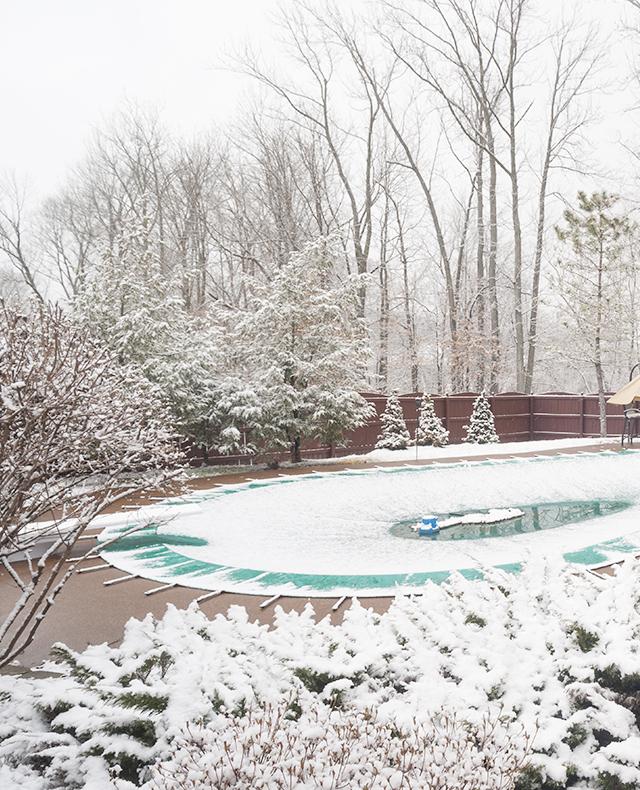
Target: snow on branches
<point>77,432</point>
<point>130,302</point>
<point>430,431</point>
<point>287,366</point>
<point>305,349</point>
<point>549,657</point>
<point>282,746</point>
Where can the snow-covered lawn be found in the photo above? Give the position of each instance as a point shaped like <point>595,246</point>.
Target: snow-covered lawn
<point>552,653</point>
<point>331,534</point>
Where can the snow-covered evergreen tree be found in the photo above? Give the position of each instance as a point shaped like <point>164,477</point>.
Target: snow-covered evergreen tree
<point>131,303</point>
<point>128,302</point>
<point>394,434</point>
<point>430,430</point>
<point>305,347</point>
<point>333,410</point>
<point>288,367</point>
<point>211,405</point>
<point>481,428</point>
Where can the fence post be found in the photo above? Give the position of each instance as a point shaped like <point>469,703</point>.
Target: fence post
<point>530,402</point>
<point>582,414</point>
<point>445,418</point>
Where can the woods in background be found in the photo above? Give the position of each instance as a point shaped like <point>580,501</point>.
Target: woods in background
<point>382,217</point>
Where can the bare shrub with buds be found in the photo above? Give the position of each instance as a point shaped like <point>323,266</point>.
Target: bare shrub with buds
<point>281,748</point>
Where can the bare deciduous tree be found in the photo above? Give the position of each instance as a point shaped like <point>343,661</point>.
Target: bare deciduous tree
<point>575,63</point>
<point>312,106</point>
<point>12,232</point>
<point>77,434</point>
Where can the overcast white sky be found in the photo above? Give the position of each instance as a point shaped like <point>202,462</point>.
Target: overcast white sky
<point>68,65</point>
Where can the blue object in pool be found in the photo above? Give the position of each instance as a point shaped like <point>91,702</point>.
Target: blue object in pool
<point>429,526</point>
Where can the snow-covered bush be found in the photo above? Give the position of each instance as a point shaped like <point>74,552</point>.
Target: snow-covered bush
<point>394,434</point>
<point>284,746</point>
<point>334,410</point>
<point>552,653</point>
<point>430,430</point>
<point>481,428</point>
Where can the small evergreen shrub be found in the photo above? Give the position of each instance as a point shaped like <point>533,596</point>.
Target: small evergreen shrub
<point>394,434</point>
<point>586,640</point>
<point>430,431</point>
<point>607,781</point>
<point>481,428</point>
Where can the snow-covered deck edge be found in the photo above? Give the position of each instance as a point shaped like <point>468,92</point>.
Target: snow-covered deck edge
<point>462,451</point>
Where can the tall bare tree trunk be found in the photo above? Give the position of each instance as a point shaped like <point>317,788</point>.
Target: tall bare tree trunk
<point>517,262</point>
<point>383,325</point>
<point>515,13</point>
<point>480,277</point>
<point>492,288</point>
<point>383,328</point>
<point>598,347</point>
<point>409,316</point>
<point>537,267</point>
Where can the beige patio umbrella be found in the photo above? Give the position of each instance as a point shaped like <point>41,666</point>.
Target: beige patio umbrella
<point>628,394</point>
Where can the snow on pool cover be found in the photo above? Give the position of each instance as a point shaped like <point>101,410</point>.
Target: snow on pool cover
<point>337,533</point>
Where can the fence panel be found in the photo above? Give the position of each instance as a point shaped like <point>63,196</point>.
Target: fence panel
<point>557,416</point>
<point>518,417</point>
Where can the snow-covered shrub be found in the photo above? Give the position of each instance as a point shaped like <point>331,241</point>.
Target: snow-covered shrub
<point>481,428</point>
<point>334,410</point>
<point>282,746</point>
<point>552,652</point>
<point>394,434</point>
<point>430,430</point>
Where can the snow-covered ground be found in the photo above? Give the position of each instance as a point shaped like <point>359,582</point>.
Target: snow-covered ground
<point>469,450</point>
<point>322,534</point>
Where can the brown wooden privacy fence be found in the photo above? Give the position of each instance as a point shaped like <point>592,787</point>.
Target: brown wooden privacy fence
<point>518,417</point>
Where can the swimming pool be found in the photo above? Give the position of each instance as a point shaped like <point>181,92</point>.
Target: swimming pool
<point>342,532</point>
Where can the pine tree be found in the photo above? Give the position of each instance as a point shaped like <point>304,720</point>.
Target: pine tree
<point>593,278</point>
<point>134,307</point>
<point>481,428</point>
<point>430,430</point>
<point>394,434</point>
<point>307,349</point>
<point>128,302</point>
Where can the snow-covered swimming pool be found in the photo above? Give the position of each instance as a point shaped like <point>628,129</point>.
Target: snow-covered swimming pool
<point>333,533</point>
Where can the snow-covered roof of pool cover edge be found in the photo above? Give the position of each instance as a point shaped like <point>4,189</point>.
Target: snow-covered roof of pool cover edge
<point>327,534</point>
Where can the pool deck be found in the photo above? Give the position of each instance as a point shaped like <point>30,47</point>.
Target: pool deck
<point>88,612</point>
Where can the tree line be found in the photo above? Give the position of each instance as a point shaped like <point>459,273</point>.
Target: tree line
<point>429,145</point>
